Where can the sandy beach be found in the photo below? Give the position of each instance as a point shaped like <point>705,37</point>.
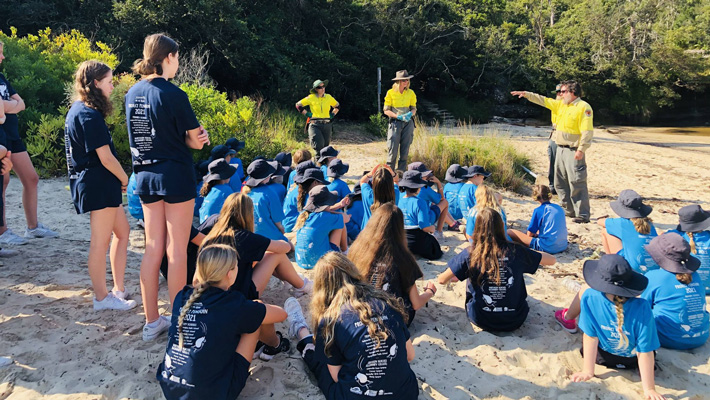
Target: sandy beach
<point>62,349</point>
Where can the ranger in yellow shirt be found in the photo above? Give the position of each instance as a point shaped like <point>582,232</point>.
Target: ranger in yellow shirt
<point>322,108</point>
<point>573,135</point>
<point>400,106</point>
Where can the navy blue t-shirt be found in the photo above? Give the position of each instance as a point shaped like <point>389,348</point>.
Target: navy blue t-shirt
<point>158,116</point>
<point>251,248</point>
<point>492,307</point>
<point>11,127</point>
<point>206,365</point>
<point>368,371</point>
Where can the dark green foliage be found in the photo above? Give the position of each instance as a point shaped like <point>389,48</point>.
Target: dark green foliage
<point>377,125</point>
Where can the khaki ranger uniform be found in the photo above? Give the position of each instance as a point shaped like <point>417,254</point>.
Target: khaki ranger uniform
<point>573,132</point>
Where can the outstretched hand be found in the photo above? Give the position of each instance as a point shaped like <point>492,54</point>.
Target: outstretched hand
<point>653,395</point>
<point>518,93</point>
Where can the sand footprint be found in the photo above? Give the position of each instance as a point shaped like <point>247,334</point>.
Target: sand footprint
<point>259,382</point>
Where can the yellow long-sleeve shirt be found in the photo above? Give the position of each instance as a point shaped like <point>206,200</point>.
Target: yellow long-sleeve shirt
<point>573,122</point>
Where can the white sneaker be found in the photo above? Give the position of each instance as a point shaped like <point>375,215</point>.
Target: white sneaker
<point>9,237</point>
<point>439,236</point>
<point>112,302</point>
<point>306,289</point>
<point>8,253</point>
<point>296,319</point>
<point>121,294</point>
<point>40,231</point>
<point>152,332</point>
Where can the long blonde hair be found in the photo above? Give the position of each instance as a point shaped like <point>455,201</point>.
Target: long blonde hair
<point>619,307</point>
<point>213,264</point>
<point>338,286</point>
<point>237,214</point>
<point>302,217</point>
<point>642,225</point>
<point>486,198</point>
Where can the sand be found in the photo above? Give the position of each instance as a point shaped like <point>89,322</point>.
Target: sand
<point>62,349</point>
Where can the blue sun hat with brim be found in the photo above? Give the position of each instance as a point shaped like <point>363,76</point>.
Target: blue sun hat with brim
<point>259,171</point>
<point>337,168</point>
<point>311,173</point>
<point>630,205</point>
<point>612,274</point>
<point>412,180</point>
<point>219,170</point>
<point>235,144</point>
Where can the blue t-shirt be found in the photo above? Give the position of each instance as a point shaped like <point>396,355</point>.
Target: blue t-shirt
<point>467,198</point>
<point>451,193</point>
<point>339,186</point>
<point>429,195</point>
<point>598,319</point>
<point>369,371</point>
<point>290,209</point>
<point>368,198</point>
<point>214,201</point>
<point>313,239</point>
<point>324,169</point>
<point>267,213</point>
<point>158,116</point>
<point>238,175</point>
<point>702,252</point>
<point>492,307</point>
<point>356,213</point>
<point>416,212</point>
<point>11,127</point>
<point>679,310</point>
<point>471,222</point>
<point>633,243</point>
<point>548,221</point>
<point>291,184</point>
<point>134,202</point>
<point>205,367</point>
<point>279,190</point>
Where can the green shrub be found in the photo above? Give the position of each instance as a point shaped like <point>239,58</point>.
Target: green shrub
<point>45,144</point>
<point>494,153</point>
<point>377,125</point>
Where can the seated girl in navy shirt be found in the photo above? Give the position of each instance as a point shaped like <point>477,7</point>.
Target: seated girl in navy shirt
<point>694,226</point>
<point>320,227</point>
<point>628,235</point>
<point>162,128</point>
<point>268,213</point>
<point>383,259</point>
<point>368,347</point>
<point>417,225</point>
<point>619,331</point>
<point>307,177</point>
<point>493,269</point>
<point>215,188</point>
<point>378,187</point>
<point>486,197</point>
<point>676,294</point>
<point>97,179</point>
<point>336,169</point>
<point>548,228</point>
<point>213,332</point>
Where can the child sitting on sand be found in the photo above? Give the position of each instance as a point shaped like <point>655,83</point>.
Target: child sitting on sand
<point>438,205</point>
<point>268,212</point>
<point>326,155</point>
<point>694,226</point>
<point>378,187</point>
<point>455,177</point>
<point>548,228</point>
<point>467,193</point>
<point>336,169</point>
<point>628,235</point>
<point>486,197</point>
<point>619,331</point>
<point>215,188</point>
<point>417,223</point>
<point>298,157</point>
<point>307,177</point>
<point>213,332</point>
<point>493,269</point>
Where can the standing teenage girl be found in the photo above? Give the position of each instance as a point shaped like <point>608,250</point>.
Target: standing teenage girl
<point>362,347</point>
<point>694,226</point>
<point>162,128</point>
<point>619,331</point>
<point>676,294</point>
<point>323,108</point>
<point>214,332</point>
<point>381,255</point>
<point>21,164</point>
<point>97,179</point>
<point>628,235</point>
<point>378,188</point>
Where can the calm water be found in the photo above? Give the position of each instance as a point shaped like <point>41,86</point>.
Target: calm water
<point>685,131</point>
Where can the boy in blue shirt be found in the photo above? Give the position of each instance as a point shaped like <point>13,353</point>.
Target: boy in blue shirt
<point>676,294</point>
<point>548,228</point>
<point>694,226</point>
<point>417,225</point>
<point>467,193</point>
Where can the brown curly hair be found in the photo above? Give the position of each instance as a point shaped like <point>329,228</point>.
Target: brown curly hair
<point>85,86</point>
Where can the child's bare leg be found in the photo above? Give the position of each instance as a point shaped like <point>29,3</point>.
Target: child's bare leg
<point>247,344</point>
<point>277,265</point>
<point>574,308</point>
<point>444,208</point>
<point>267,335</point>
<point>119,249</point>
<point>612,244</point>
<point>520,237</point>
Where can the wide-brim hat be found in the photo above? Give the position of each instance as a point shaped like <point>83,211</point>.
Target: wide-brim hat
<point>259,171</point>
<point>402,75</point>
<point>557,89</point>
<point>630,205</point>
<point>672,253</point>
<point>219,169</point>
<point>419,166</point>
<point>412,180</point>
<point>284,159</point>
<point>278,168</point>
<point>693,218</point>
<point>221,151</point>
<point>337,168</point>
<point>612,274</point>
<point>455,173</point>
<point>327,151</point>
<point>317,83</point>
<point>235,144</point>
<point>478,170</point>
<point>320,198</point>
<point>311,173</point>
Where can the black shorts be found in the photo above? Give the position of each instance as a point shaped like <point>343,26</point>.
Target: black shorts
<point>613,361</point>
<point>16,146</point>
<point>154,198</point>
<point>423,244</point>
<point>240,376</point>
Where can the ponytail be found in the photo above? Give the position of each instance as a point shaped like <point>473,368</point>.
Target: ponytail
<point>684,278</point>
<point>207,186</point>
<point>642,225</point>
<point>301,220</point>
<point>691,240</point>
<point>619,306</point>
